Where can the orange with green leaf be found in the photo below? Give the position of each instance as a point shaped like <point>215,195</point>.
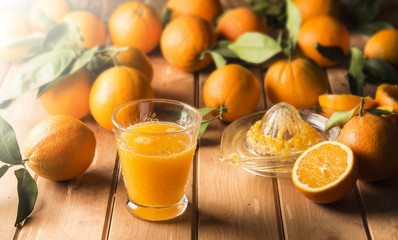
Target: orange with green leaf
<point>238,21</point>
<point>372,139</point>
<point>326,31</point>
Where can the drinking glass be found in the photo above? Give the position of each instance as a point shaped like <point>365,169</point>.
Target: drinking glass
<point>156,140</point>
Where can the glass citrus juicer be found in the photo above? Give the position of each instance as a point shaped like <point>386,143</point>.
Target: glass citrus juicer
<point>267,143</point>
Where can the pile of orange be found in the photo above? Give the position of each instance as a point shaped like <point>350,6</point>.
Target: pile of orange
<point>324,173</point>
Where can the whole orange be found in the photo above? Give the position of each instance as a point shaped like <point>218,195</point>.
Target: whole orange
<point>314,8</point>
<point>69,96</point>
<point>134,58</point>
<point>298,82</point>
<point>183,41</point>
<point>135,24</point>
<point>53,9</point>
<point>60,148</point>
<point>326,31</point>
<point>233,87</point>
<point>114,87</point>
<point>91,27</point>
<point>239,21</point>
<point>384,45</point>
<point>13,25</point>
<point>206,9</point>
<point>374,141</point>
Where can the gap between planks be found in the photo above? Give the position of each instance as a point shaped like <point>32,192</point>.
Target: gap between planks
<point>111,200</point>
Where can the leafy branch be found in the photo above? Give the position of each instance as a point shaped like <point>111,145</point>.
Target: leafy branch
<point>57,54</point>
<point>360,70</point>
<point>341,117</point>
<point>205,123</point>
<point>255,47</point>
<point>10,155</point>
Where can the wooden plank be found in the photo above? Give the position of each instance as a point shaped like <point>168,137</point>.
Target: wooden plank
<point>171,83</point>
<point>380,204</point>
<point>81,202</point>
<point>62,202</point>
<point>232,203</point>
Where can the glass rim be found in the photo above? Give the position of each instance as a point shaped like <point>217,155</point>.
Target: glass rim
<point>161,100</point>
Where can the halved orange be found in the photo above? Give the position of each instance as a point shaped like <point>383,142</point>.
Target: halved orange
<point>387,95</point>
<point>326,172</point>
<point>343,102</point>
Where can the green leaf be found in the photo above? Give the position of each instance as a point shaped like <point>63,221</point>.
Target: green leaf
<point>371,28</point>
<point>333,53</point>
<point>365,11</point>
<point>357,84</point>
<point>379,112</point>
<point>206,110</point>
<point>43,20</point>
<point>166,16</point>
<point>43,89</point>
<point>39,71</point>
<point>357,62</point>
<point>222,48</point>
<point>30,40</point>
<point>203,126</point>
<point>293,23</point>
<point>9,149</point>
<point>260,7</point>
<point>218,59</point>
<point>27,194</point>
<point>64,35</point>
<point>3,170</point>
<point>84,59</point>
<point>339,118</point>
<point>255,47</point>
<point>380,71</point>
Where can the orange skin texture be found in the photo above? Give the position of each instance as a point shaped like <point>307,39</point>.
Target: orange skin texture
<point>60,148</point>
<point>91,27</point>
<point>298,83</point>
<point>233,87</point>
<point>70,96</point>
<point>239,21</point>
<point>184,39</point>
<point>136,59</point>
<point>343,102</point>
<point>13,25</point>
<point>314,8</point>
<point>53,9</point>
<point>374,141</point>
<point>206,9</point>
<point>387,96</point>
<point>115,87</point>
<point>326,31</point>
<point>384,45</point>
<point>135,24</point>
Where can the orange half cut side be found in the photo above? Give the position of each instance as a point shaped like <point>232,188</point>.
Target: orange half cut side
<point>326,172</point>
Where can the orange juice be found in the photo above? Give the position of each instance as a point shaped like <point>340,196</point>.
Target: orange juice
<point>156,160</point>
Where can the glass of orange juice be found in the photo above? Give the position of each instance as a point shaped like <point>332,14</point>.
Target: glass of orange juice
<point>156,140</point>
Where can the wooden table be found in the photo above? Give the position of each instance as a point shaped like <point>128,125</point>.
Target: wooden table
<point>225,202</point>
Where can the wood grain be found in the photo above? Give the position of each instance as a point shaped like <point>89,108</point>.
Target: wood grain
<point>232,203</point>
